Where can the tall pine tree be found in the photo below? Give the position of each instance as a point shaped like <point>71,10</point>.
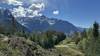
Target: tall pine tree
<point>95,38</point>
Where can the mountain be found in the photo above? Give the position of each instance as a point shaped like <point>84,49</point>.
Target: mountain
<point>81,29</point>
<point>6,24</point>
<point>43,23</point>
<point>37,24</point>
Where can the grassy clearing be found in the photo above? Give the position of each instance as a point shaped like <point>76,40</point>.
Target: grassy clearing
<point>69,50</point>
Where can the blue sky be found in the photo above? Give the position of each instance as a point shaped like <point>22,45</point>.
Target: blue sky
<point>81,13</point>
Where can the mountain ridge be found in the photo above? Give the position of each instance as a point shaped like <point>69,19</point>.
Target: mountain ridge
<point>37,24</point>
<point>43,23</point>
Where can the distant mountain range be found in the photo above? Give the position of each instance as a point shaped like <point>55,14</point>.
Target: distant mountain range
<point>38,24</point>
<point>43,23</point>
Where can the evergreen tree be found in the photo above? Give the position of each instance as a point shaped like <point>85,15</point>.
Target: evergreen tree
<point>95,30</point>
<point>95,38</point>
<point>93,44</point>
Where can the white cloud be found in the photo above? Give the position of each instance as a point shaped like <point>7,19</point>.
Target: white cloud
<point>28,8</point>
<point>27,12</point>
<point>14,2</point>
<point>56,12</point>
<point>37,6</point>
<point>19,12</point>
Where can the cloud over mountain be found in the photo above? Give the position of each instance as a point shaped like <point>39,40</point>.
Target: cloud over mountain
<point>56,12</point>
<point>24,8</point>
